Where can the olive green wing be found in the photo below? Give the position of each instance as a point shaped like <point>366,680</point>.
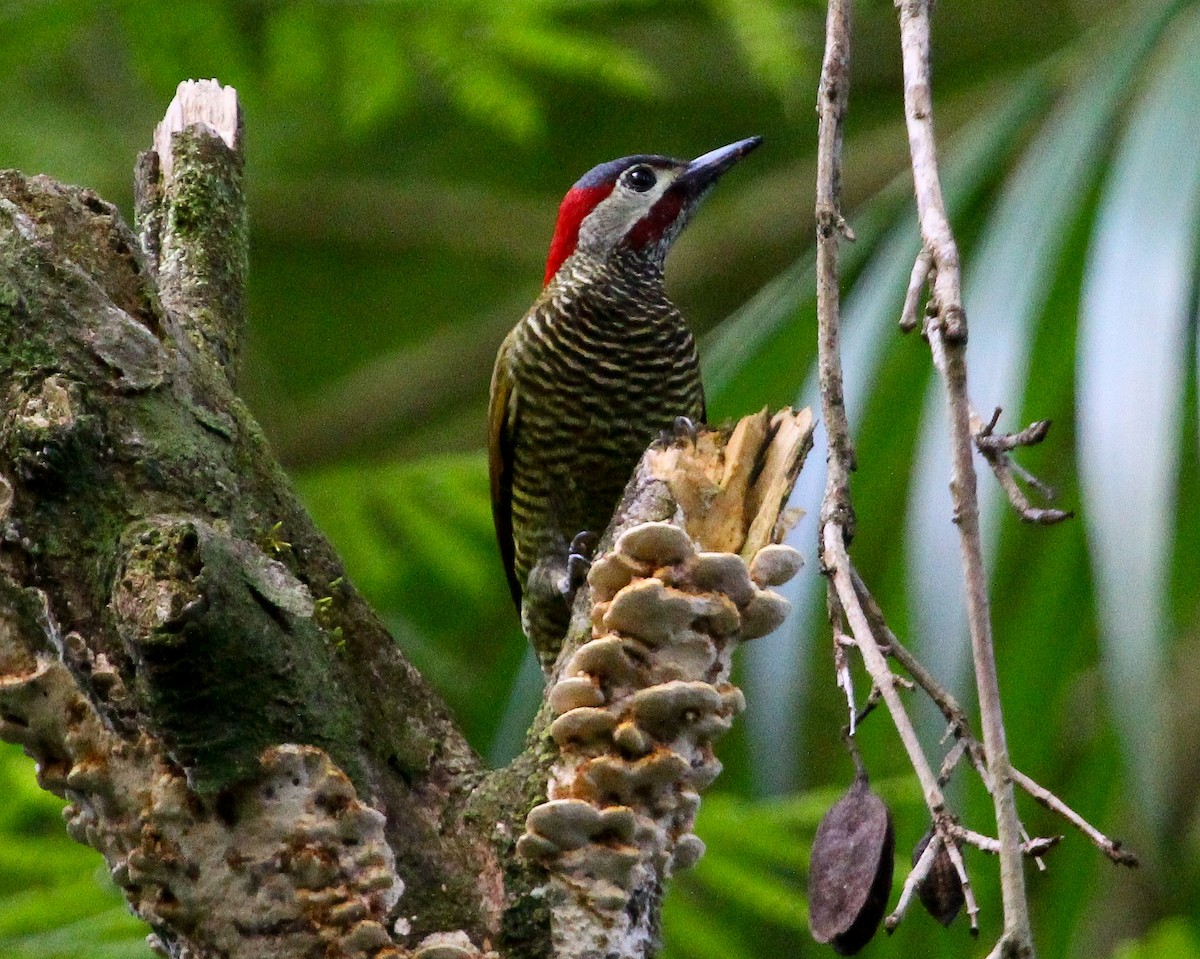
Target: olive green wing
<point>502,429</point>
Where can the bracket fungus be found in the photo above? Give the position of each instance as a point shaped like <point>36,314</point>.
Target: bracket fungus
<point>639,704</point>
<point>774,565</point>
<point>642,688</point>
<point>295,839</point>
<point>449,945</point>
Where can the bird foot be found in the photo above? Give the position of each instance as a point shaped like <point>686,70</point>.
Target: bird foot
<point>682,430</point>
<point>579,561</point>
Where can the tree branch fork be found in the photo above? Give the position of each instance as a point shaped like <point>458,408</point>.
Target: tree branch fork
<point>232,726</point>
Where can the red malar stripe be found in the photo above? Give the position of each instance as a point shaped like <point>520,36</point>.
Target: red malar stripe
<point>650,228</point>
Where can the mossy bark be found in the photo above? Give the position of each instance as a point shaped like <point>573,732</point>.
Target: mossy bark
<point>142,509</point>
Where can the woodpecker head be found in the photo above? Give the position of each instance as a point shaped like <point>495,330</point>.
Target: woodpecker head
<point>637,203</point>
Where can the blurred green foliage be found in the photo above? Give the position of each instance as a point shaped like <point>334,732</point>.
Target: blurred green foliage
<point>1173,938</point>
<point>56,901</point>
<point>404,165</point>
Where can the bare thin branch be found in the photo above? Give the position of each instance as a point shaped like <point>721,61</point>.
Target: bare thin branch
<point>997,449</point>
<point>1030,847</point>
<point>960,727</point>
<point>961,868</point>
<point>853,612</point>
<point>832,98</point>
<point>944,829</point>
<point>1114,849</point>
<point>988,439</point>
<point>957,751</point>
<point>916,876</point>
<point>838,568</point>
<point>836,511</point>
<point>947,341</point>
<point>837,514</point>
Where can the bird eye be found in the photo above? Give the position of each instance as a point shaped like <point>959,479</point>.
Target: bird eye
<point>640,178</point>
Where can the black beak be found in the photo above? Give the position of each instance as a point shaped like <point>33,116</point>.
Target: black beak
<point>704,171</point>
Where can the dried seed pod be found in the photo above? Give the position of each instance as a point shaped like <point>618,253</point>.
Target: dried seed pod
<point>850,872</point>
<point>941,891</point>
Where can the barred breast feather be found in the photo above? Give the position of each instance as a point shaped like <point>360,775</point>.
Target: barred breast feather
<point>591,375</point>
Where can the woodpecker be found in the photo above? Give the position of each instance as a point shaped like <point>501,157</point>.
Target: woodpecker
<point>601,364</point>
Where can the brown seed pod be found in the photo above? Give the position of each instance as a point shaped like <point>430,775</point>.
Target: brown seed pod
<point>941,891</point>
<point>850,872</point>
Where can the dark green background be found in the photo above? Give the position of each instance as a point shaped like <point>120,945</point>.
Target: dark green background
<point>404,165</point>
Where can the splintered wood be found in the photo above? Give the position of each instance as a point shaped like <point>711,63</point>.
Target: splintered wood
<point>732,487</point>
<point>203,103</point>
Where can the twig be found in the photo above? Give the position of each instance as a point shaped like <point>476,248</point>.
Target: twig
<point>960,867</point>
<point>873,699</point>
<point>959,725</point>
<point>918,874</point>
<point>996,449</point>
<point>845,678</point>
<point>986,438</point>
<point>839,570</point>
<point>942,697</point>
<point>1044,489</point>
<point>837,515</point>
<point>1030,847</point>
<point>1113,848</point>
<point>836,509</point>
<point>832,97</point>
<point>947,341</point>
<point>951,759</point>
<point>853,611</point>
<point>1037,859</point>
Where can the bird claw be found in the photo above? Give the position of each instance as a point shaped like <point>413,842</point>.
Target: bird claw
<point>684,427</point>
<point>579,559</point>
<point>682,430</point>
